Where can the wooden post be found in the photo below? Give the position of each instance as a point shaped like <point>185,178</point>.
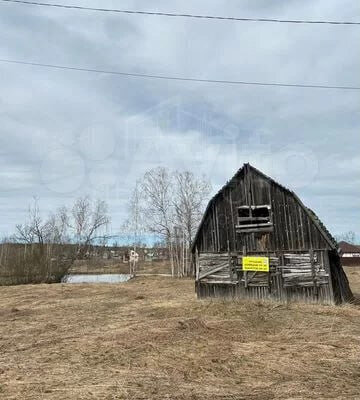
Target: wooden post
<point>283,292</point>
<point>197,264</point>
<point>244,272</point>
<point>232,221</point>
<point>229,260</point>
<point>217,228</point>
<point>313,272</point>
<point>269,273</point>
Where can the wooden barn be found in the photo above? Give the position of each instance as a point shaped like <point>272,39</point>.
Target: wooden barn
<point>258,240</point>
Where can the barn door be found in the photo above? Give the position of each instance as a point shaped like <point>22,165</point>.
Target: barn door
<point>304,270</point>
<point>255,278</point>
<point>256,270</point>
<point>215,268</point>
<point>262,284</point>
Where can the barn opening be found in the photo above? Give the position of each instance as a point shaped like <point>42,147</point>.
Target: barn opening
<point>254,217</point>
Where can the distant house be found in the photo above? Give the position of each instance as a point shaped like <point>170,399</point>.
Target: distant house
<point>148,255</point>
<point>114,254</point>
<point>350,254</point>
<point>349,250</point>
<point>258,240</point>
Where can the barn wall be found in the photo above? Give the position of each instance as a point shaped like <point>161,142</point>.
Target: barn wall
<point>292,277</point>
<point>304,295</point>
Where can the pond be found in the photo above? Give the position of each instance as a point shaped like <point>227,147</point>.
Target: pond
<point>100,278</point>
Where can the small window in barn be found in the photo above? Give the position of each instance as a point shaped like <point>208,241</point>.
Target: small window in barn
<point>262,212</point>
<point>244,212</point>
<point>254,218</point>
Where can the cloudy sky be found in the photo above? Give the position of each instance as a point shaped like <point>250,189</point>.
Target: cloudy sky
<point>66,133</point>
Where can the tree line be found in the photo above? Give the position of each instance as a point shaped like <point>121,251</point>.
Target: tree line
<point>42,249</point>
<point>80,224</point>
<point>165,205</point>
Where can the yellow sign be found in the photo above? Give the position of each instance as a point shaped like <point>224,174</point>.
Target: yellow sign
<point>260,264</point>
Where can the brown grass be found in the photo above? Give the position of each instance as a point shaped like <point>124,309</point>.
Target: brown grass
<point>353,274</point>
<point>150,338</point>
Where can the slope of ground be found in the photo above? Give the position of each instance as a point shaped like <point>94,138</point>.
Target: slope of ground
<point>150,338</point>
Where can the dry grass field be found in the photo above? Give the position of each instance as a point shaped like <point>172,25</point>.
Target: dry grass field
<point>150,338</point>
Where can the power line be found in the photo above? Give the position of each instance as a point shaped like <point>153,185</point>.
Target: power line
<point>180,78</point>
<point>166,14</point>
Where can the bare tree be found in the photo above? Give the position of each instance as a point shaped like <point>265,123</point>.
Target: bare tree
<point>24,234</point>
<point>86,220</point>
<point>35,229</point>
<point>57,227</point>
<point>191,195</point>
<point>157,189</point>
<point>170,206</point>
<point>157,193</point>
<point>348,237</point>
<point>41,256</point>
<point>135,224</point>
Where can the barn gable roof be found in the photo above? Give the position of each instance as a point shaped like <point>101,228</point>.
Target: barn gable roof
<point>316,220</point>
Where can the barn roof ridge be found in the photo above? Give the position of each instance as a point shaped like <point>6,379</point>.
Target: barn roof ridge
<point>323,230</point>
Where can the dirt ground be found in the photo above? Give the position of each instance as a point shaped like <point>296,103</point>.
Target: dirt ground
<point>150,338</point>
